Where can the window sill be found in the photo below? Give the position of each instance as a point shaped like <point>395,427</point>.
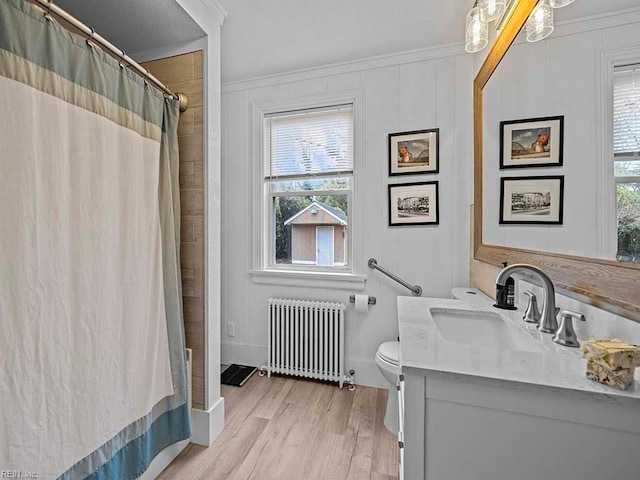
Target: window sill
<point>337,281</point>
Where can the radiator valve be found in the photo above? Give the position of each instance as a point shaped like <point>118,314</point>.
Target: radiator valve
<point>351,380</point>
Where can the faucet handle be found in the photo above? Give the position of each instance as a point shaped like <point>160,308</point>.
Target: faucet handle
<point>566,335</point>
<point>531,314</point>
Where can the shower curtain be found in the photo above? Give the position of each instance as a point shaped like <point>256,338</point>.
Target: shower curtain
<point>92,357</point>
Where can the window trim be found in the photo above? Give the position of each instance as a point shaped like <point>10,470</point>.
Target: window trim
<point>607,217</point>
<point>261,271</point>
<point>628,179</point>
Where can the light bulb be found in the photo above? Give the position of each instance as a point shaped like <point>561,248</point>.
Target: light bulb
<point>477,32</point>
<point>540,23</point>
<point>491,9</point>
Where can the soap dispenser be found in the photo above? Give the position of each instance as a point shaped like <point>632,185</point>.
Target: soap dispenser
<point>505,294</point>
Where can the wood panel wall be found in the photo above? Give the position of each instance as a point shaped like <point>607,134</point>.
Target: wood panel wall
<point>481,275</point>
<point>398,94</point>
<point>183,73</point>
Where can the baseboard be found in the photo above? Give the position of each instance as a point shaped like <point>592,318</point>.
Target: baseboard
<point>252,355</point>
<point>367,372</point>
<point>162,460</point>
<point>206,425</point>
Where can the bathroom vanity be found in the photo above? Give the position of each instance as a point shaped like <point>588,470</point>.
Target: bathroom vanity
<point>486,396</point>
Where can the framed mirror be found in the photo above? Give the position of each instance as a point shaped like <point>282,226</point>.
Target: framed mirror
<point>608,284</point>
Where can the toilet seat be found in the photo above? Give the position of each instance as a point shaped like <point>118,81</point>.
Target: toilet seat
<point>389,352</point>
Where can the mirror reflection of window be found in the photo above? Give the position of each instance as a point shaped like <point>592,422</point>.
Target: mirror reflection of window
<point>626,156</point>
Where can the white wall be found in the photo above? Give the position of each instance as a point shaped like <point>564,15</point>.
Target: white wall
<point>417,90</point>
<point>560,76</point>
<point>208,14</point>
<point>209,423</point>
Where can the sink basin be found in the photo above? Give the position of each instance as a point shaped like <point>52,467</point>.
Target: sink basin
<point>483,329</point>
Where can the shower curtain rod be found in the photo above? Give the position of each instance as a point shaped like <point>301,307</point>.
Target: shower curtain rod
<point>52,8</point>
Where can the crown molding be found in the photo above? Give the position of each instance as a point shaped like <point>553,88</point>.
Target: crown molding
<point>567,27</point>
<point>409,56</point>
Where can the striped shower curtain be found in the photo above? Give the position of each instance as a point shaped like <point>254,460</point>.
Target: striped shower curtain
<point>92,359</point>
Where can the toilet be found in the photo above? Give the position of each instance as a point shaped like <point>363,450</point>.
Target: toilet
<point>387,360</point>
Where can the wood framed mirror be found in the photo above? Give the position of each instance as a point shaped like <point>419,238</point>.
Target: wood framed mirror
<point>606,284</point>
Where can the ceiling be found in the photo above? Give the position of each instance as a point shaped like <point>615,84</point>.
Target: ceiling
<point>264,37</point>
<point>136,25</point>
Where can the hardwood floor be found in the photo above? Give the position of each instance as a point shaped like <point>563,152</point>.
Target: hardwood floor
<point>281,428</point>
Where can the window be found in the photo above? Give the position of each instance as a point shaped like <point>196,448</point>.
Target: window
<point>626,157</point>
<point>308,158</point>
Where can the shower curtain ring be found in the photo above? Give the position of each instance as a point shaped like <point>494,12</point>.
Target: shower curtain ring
<point>90,39</point>
<point>146,76</point>
<point>47,14</point>
<point>122,60</point>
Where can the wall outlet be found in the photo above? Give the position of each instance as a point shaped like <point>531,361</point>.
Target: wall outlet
<point>231,329</point>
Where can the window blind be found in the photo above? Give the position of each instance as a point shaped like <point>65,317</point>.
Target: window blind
<point>626,112</point>
<point>316,142</point>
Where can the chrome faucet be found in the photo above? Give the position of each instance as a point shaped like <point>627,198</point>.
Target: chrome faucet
<point>548,322</point>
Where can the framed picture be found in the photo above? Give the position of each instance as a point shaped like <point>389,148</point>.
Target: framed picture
<point>414,152</point>
<point>413,204</point>
<point>531,200</point>
<point>534,142</point>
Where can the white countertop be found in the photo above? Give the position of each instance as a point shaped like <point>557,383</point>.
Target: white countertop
<point>422,347</point>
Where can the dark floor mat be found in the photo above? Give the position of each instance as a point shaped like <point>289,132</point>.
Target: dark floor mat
<point>237,375</point>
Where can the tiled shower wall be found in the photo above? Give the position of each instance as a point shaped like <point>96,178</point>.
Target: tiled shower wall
<point>183,73</point>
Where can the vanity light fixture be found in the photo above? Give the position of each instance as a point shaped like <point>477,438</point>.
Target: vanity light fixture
<point>492,9</point>
<point>540,23</point>
<point>476,34</point>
